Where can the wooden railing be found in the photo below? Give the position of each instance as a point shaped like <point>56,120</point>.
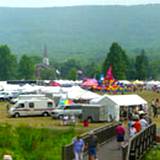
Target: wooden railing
<point>139,144</point>
<point>103,134</point>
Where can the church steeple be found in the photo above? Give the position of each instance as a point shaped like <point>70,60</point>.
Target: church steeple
<point>45,56</point>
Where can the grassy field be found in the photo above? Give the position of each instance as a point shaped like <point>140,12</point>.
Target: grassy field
<point>41,122</point>
<point>153,154</point>
<point>36,137</point>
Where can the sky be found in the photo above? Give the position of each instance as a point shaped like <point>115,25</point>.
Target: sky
<point>55,3</point>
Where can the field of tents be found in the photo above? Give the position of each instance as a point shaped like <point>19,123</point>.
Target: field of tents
<point>27,137</point>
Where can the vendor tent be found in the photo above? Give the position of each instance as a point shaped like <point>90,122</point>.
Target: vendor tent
<point>114,102</point>
<point>77,93</point>
<point>89,83</point>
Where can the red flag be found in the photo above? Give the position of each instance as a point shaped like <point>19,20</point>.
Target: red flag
<point>109,75</point>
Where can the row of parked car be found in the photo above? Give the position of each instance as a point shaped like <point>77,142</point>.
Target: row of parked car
<point>7,96</point>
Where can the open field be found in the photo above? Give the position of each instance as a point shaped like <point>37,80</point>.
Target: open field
<point>48,122</point>
<point>41,122</point>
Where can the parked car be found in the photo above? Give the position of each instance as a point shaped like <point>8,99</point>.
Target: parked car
<point>8,95</point>
<point>73,109</point>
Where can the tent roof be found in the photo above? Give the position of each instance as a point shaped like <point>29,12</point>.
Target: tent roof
<point>122,100</point>
<point>77,92</point>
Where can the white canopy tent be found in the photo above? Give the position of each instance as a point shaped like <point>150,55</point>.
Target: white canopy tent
<point>114,102</point>
<point>151,84</point>
<point>77,92</point>
<point>126,82</point>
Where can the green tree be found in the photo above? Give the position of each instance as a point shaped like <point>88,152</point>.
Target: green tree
<point>142,66</point>
<point>92,69</point>
<point>8,63</point>
<point>119,61</point>
<point>72,74</point>
<point>36,59</point>
<point>48,73</point>
<point>131,72</point>
<point>67,66</point>
<point>155,69</point>
<point>26,68</point>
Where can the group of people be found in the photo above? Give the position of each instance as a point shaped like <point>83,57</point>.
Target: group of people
<point>68,120</point>
<point>79,146</point>
<point>136,123</point>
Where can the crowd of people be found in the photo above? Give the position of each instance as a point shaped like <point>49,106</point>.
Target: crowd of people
<point>136,123</point>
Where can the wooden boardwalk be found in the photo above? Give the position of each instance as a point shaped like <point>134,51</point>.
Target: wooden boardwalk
<point>109,151</point>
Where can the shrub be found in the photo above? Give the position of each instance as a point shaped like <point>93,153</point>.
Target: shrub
<point>25,143</point>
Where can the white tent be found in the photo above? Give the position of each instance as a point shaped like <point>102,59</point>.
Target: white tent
<point>74,92</point>
<point>77,92</point>
<point>151,84</point>
<point>126,82</point>
<point>114,102</point>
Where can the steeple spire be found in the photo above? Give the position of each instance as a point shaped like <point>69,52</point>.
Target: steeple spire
<point>45,56</point>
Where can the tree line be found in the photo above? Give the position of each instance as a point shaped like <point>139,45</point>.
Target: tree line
<point>139,67</point>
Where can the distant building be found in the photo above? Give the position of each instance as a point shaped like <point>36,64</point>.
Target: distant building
<point>44,64</point>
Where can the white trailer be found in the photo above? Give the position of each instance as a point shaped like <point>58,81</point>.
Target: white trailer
<point>95,113</point>
<point>32,107</point>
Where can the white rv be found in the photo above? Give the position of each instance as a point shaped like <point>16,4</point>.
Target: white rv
<point>32,107</point>
<point>27,97</point>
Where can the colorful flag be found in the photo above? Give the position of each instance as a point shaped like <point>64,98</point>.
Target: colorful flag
<point>109,75</point>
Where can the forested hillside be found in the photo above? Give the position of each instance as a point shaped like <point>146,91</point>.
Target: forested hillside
<point>85,31</point>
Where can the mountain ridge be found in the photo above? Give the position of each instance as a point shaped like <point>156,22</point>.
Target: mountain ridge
<point>80,31</point>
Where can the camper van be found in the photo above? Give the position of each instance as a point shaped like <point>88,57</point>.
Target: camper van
<point>27,96</point>
<point>32,107</point>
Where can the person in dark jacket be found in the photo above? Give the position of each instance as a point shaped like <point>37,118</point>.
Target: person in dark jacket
<point>92,146</point>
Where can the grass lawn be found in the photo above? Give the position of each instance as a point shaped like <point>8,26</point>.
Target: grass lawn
<point>153,154</point>
<point>41,122</point>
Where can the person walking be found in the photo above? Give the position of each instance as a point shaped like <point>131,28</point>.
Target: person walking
<point>153,107</point>
<point>157,105</point>
<point>120,133</point>
<point>78,147</point>
<point>92,146</point>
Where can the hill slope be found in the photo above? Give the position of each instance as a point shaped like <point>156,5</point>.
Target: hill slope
<point>80,31</point>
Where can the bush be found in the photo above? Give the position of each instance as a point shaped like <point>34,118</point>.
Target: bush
<point>25,143</point>
<point>154,154</point>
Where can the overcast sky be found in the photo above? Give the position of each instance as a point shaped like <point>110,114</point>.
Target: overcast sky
<point>51,3</point>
